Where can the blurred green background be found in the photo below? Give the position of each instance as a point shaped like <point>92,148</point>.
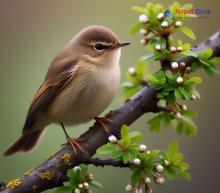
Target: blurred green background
<point>33,32</point>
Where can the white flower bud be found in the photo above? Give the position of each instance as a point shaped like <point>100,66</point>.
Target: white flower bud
<point>76,169</point>
<point>148,152</point>
<point>112,139</point>
<point>164,24</point>
<point>178,23</point>
<point>179,80</point>
<point>179,49</point>
<point>132,70</point>
<point>147,180</point>
<point>143,19</point>
<point>174,65</point>
<point>184,107</point>
<point>167,163</point>
<point>137,161</point>
<point>143,31</point>
<point>138,190</point>
<point>158,47</point>
<point>85,184</point>
<point>143,42</point>
<point>173,49</point>
<point>142,148</point>
<point>90,177</point>
<point>77,190</point>
<point>178,115</point>
<point>182,64</point>
<point>129,188</point>
<point>193,97</point>
<point>160,16</point>
<point>159,168</point>
<point>160,180</point>
<point>80,186</point>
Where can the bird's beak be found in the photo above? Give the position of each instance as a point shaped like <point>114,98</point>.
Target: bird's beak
<point>123,44</point>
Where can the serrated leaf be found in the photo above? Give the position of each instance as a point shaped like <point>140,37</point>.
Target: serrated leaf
<point>188,32</point>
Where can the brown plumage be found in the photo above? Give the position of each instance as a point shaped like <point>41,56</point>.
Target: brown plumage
<point>80,83</point>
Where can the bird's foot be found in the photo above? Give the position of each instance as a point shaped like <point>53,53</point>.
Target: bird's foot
<point>103,121</point>
<point>75,144</point>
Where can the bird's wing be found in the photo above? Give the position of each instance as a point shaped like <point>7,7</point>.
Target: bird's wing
<point>57,78</point>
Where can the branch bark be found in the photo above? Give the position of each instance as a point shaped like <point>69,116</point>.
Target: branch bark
<point>51,173</point>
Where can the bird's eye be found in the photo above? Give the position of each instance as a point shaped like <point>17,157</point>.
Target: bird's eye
<point>99,47</point>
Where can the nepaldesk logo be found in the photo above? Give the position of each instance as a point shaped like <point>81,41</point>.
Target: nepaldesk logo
<point>198,12</point>
<point>168,14</point>
<point>184,12</point>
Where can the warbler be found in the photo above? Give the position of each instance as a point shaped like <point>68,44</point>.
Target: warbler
<point>81,82</point>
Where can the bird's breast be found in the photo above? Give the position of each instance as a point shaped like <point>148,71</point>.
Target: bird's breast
<point>88,95</point>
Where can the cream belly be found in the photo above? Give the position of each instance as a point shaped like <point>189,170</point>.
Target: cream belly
<point>86,96</point>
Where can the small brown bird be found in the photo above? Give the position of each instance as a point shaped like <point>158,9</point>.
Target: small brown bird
<point>81,82</point>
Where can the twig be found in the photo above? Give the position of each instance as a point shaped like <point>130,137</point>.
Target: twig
<point>109,162</point>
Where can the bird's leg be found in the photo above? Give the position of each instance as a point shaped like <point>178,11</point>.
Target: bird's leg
<point>103,121</point>
<point>72,141</point>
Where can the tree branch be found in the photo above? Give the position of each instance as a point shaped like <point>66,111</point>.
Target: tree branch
<point>108,162</point>
<point>51,173</point>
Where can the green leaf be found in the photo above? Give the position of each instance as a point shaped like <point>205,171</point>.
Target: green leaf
<point>190,113</point>
<point>106,149</point>
<point>96,184</point>
<point>205,54</point>
<point>194,80</point>
<point>64,189</point>
<point>71,174</point>
<point>135,176</point>
<point>169,74</point>
<point>135,136</point>
<point>141,69</point>
<point>124,131</point>
<point>136,27</point>
<point>172,149</point>
<point>185,94</point>
<point>188,32</point>
<point>140,10</point>
<point>190,127</point>
<point>129,91</point>
<point>149,57</point>
<point>155,122</point>
<point>153,154</point>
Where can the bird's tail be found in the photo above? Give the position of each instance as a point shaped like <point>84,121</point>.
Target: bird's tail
<point>25,143</point>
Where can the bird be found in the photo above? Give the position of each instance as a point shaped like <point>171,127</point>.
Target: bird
<point>79,85</point>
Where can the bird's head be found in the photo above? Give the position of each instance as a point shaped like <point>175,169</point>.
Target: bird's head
<point>99,44</point>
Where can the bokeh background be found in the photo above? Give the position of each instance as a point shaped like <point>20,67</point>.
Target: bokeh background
<point>32,33</point>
